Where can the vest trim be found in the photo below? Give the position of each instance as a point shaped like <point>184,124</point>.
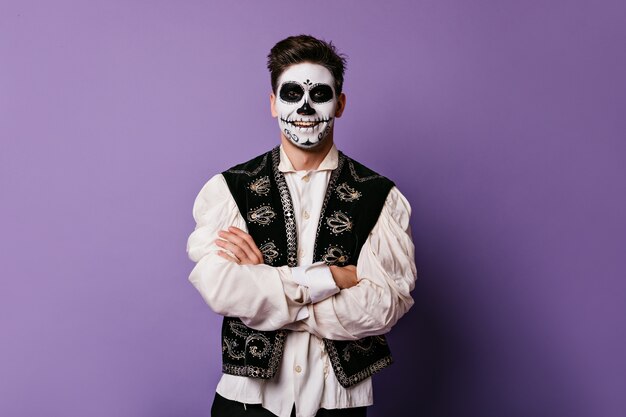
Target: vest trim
<point>256,371</point>
<point>329,191</point>
<point>287,204</point>
<point>340,373</point>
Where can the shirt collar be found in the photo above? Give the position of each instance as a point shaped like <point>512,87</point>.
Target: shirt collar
<point>329,163</point>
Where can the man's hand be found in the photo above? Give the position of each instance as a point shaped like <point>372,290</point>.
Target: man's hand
<point>344,276</point>
<point>240,244</point>
<point>245,252</point>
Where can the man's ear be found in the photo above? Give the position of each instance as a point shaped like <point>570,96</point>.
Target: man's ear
<point>272,105</point>
<point>341,105</point>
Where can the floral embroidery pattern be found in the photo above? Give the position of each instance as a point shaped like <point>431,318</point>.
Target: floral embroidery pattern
<point>349,380</point>
<point>269,251</point>
<point>363,346</point>
<point>339,222</point>
<point>335,255</point>
<point>347,193</point>
<point>248,342</point>
<point>262,215</point>
<point>260,186</point>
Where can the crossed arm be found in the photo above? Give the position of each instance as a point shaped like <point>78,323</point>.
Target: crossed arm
<point>244,251</point>
<point>230,275</point>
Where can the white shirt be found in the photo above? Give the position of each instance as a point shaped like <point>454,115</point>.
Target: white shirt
<point>304,298</point>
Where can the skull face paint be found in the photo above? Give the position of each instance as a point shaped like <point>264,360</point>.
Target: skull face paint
<point>306,104</point>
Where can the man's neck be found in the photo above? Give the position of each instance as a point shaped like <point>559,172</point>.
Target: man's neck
<point>307,159</point>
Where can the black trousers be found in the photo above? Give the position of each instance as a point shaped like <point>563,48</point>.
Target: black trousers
<point>223,407</point>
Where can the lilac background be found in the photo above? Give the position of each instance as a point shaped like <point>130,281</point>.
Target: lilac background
<point>502,122</point>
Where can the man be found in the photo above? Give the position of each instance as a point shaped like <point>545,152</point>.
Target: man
<point>305,252</point>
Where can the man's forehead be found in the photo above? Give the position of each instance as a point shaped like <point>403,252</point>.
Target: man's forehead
<point>304,71</point>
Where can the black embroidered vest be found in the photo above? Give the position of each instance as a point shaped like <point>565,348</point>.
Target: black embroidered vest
<point>354,199</point>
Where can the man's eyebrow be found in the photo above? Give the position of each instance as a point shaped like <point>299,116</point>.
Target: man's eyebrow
<point>316,84</point>
<point>290,82</point>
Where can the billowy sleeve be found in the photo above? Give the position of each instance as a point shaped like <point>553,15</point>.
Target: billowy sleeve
<point>386,272</point>
<point>264,297</point>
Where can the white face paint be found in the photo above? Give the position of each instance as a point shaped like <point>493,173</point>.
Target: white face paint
<point>306,103</point>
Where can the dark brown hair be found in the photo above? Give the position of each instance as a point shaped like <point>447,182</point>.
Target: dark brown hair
<point>306,48</point>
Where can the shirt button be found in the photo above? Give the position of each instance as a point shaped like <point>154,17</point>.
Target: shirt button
<point>298,369</point>
<point>306,178</point>
<point>306,215</point>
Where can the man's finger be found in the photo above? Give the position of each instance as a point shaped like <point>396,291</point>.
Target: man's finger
<point>236,250</point>
<point>228,257</point>
<point>249,239</point>
<point>235,229</point>
<point>239,242</point>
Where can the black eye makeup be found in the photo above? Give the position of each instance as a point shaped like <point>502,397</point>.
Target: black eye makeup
<point>321,93</point>
<point>291,92</point>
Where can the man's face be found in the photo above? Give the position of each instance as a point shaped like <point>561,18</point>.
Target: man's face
<point>306,104</point>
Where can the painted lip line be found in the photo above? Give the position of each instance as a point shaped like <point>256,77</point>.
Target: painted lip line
<point>305,123</point>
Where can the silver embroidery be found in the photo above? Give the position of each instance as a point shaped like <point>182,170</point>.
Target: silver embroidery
<point>256,350</point>
<point>262,215</point>
<point>339,222</point>
<point>364,346</point>
<point>238,328</point>
<point>260,186</point>
<point>276,351</point>
<point>329,188</point>
<point>269,251</point>
<point>361,179</point>
<point>290,220</point>
<point>230,346</point>
<point>334,255</point>
<point>250,173</point>
<point>342,377</point>
<point>347,193</point>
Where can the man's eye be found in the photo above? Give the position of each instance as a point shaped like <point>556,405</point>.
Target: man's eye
<point>291,92</point>
<point>321,93</point>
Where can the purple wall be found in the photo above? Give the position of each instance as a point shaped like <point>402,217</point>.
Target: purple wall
<point>503,122</point>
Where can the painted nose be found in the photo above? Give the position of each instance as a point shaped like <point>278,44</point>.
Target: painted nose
<point>306,110</point>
